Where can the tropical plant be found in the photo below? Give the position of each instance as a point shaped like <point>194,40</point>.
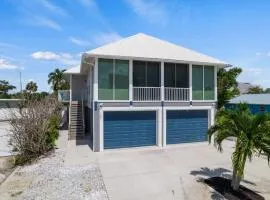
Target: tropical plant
<point>31,87</point>
<point>252,134</point>
<point>227,85</point>
<point>57,80</point>
<point>255,90</point>
<point>5,87</point>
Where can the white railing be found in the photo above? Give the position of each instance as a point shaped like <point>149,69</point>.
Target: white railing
<point>146,94</point>
<point>64,95</point>
<point>176,94</point>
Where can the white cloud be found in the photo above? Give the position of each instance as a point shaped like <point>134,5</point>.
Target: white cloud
<point>258,54</point>
<point>79,41</point>
<point>268,54</point>
<point>255,71</point>
<point>105,38</point>
<point>45,22</point>
<point>64,58</point>
<point>153,11</point>
<point>4,64</point>
<point>53,8</point>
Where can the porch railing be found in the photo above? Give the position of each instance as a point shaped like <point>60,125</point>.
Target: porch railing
<point>176,94</point>
<point>146,93</point>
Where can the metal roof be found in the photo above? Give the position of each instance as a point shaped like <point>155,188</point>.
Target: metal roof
<point>73,70</point>
<point>145,46</point>
<point>262,99</point>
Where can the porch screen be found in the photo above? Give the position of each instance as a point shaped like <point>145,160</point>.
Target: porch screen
<point>176,75</point>
<point>203,82</point>
<point>113,79</point>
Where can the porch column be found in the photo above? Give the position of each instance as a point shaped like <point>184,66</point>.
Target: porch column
<point>95,92</point>
<point>215,82</point>
<point>190,82</point>
<point>162,81</point>
<point>130,80</point>
<point>70,98</point>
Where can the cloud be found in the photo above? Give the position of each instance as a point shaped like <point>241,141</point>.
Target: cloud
<point>4,64</point>
<point>152,11</point>
<point>105,38</point>
<point>64,58</point>
<point>45,22</point>
<point>53,8</point>
<point>79,41</point>
<point>255,71</point>
<point>258,54</point>
<point>88,2</point>
<point>268,54</point>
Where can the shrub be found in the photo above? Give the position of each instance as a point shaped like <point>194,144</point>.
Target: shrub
<point>35,129</point>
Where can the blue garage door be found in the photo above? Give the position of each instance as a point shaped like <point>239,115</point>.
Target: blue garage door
<point>129,129</point>
<point>186,126</point>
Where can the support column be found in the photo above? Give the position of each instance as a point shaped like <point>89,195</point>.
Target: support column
<point>130,80</point>
<point>95,92</point>
<point>164,130</point>
<point>159,127</point>
<point>215,82</point>
<point>70,98</point>
<point>162,81</point>
<point>101,130</point>
<point>190,82</point>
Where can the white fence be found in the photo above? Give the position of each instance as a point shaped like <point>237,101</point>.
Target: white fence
<point>146,94</point>
<point>176,94</point>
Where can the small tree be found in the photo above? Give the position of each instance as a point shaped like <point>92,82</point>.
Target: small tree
<point>255,90</point>
<point>5,87</point>
<point>252,133</point>
<point>227,85</point>
<point>34,130</point>
<point>31,87</point>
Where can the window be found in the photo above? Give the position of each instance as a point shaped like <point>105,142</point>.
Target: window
<point>113,79</point>
<point>176,75</point>
<point>146,74</point>
<point>203,82</point>
<point>262,108</point>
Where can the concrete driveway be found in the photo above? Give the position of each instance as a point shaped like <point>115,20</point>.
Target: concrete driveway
<point>174,173</point>
<point>5,148</point>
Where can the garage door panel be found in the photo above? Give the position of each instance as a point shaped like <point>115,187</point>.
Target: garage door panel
<point>129,129</point>
<point>186,126</point>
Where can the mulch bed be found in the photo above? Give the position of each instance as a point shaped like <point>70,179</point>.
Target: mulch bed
<point>223,186</point>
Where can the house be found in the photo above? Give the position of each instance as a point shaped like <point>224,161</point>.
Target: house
<point>257,102</point>
<point>244,87</point>
<point>143,91</point>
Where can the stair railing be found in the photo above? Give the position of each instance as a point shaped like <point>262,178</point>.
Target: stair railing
<point>82,99</point>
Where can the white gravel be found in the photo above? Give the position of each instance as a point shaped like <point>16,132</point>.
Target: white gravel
<point>54,180</point>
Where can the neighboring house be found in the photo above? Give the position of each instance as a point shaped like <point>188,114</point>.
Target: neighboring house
<point>143,91</point>
<point>257,102</point>
<point>244,87</point>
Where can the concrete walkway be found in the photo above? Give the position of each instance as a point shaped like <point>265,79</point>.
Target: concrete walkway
<point>167,174</point>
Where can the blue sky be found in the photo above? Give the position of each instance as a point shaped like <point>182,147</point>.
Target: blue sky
<point>39,35</point>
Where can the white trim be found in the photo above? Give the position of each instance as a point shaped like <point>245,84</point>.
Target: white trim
<point>101,130</point>
<point>215,81</point>
<point>203,81</point>
<point>212,116</point>
<point>156,59</point>
<point>164,128</point>
<point>187,108</point>
<point>162,81</point>
<point>190,81</point>
<point>113,79</point>
<point>148,108</point>
<point>130,80</point>
<point>70,98</point>
<point>159,127</point>
<point>95,92</point>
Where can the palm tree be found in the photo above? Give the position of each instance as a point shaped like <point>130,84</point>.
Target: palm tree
<point>252,133</point>
<point>57,80</point>
<point>31,87</point>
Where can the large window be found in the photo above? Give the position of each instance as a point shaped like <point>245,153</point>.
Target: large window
<point>176,75</point>
<point>146,74</point>
<point>203,81</point>
<point>113,79</point>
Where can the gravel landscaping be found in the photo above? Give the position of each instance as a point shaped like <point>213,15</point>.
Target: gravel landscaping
<point>49,178</point>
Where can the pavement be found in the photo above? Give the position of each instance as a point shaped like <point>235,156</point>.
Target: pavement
<point>167,174</point>
<point>5,148</point>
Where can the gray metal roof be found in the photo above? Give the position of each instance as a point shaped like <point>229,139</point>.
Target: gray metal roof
<point>262,99</point>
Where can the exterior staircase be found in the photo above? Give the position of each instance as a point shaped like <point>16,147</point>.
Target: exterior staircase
<point>76,126</point>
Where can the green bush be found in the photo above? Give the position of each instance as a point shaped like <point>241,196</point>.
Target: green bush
<point>53,130</point>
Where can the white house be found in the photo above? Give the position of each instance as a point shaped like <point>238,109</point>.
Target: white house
<point>143,91</point>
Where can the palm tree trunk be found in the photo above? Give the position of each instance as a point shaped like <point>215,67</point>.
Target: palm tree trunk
<point>236,181</point>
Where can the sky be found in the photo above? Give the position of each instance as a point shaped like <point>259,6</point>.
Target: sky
<point>37,36</point>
